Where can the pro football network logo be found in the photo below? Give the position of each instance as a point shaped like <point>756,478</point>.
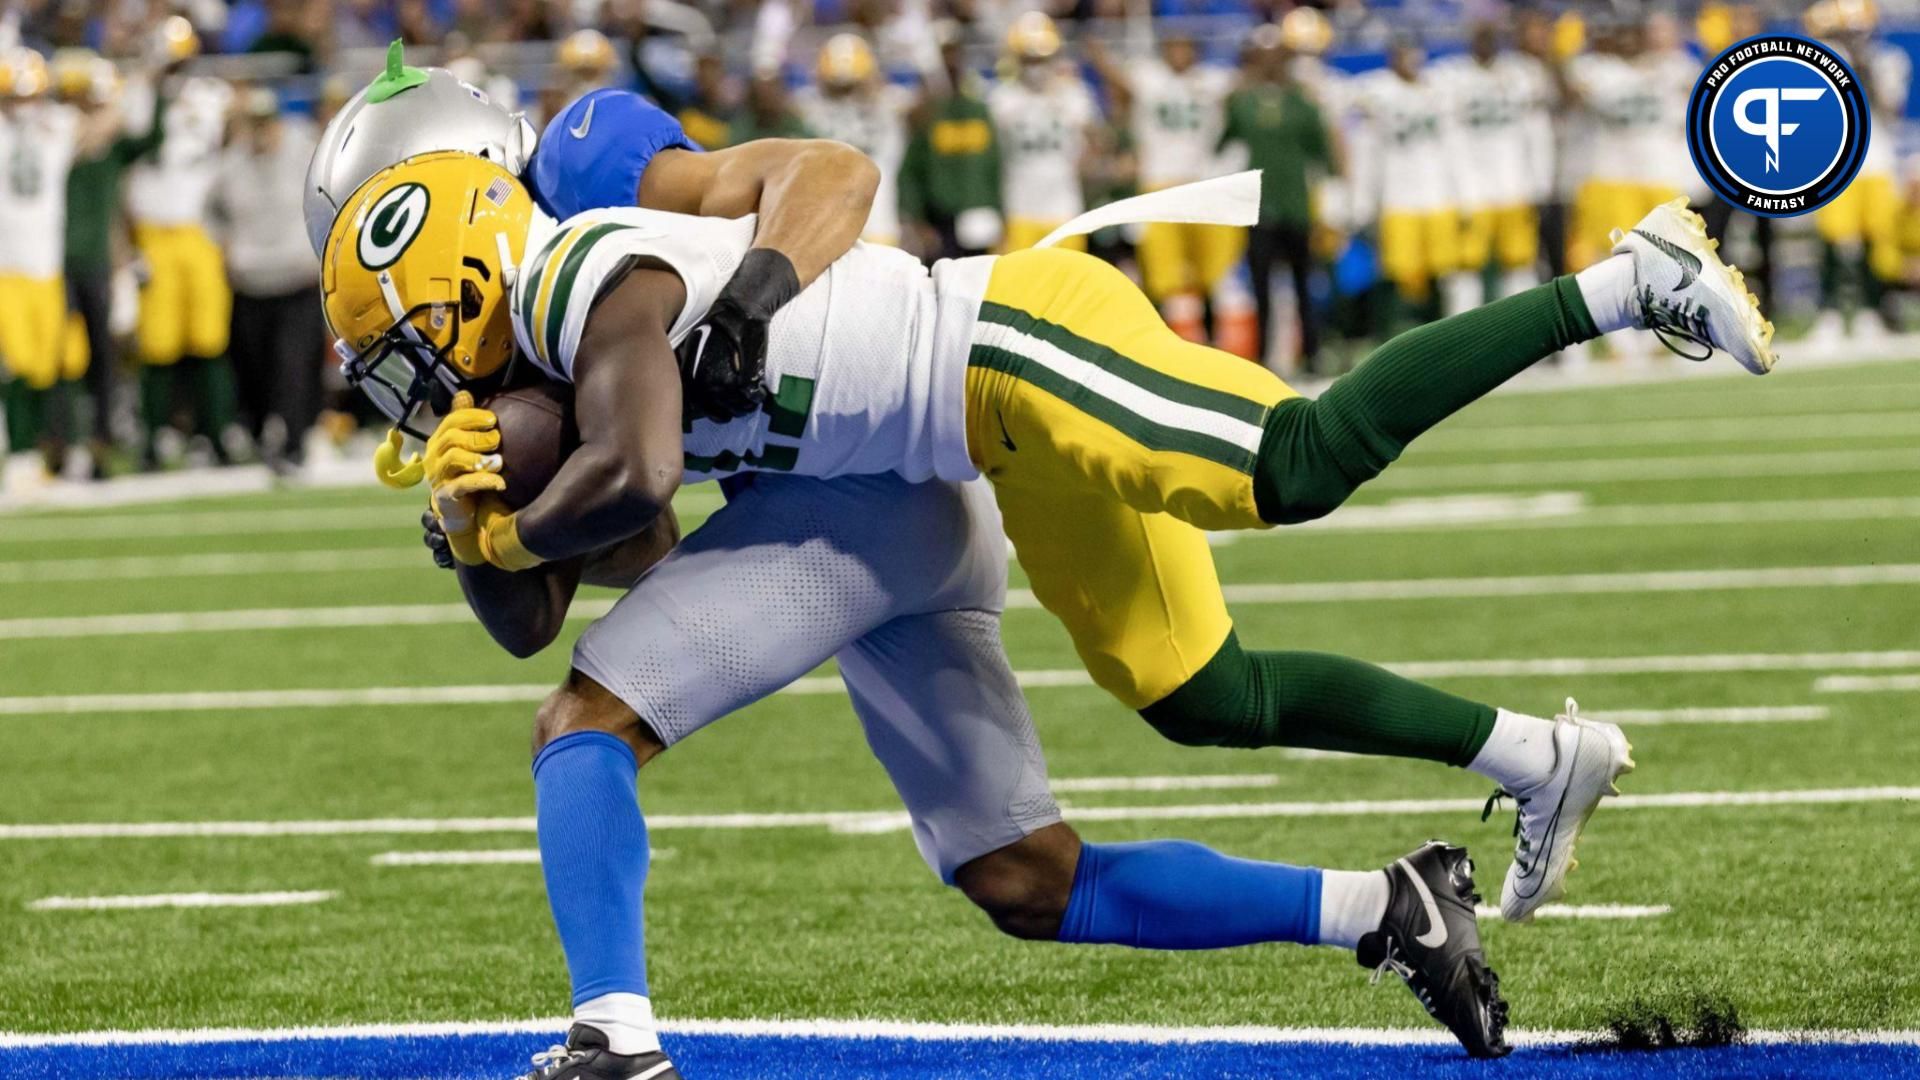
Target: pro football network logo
<point>1778,125</point>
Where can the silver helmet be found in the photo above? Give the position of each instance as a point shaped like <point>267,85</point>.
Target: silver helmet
<point>407,111</point>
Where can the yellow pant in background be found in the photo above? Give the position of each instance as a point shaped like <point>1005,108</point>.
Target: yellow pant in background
<point>1023,233</point>
<point>33,313</point>
<point>1416,248</point>
<point>1510,234</point>
<point>1867,213</point>
<point>1181,257</point>
<point>186,306</point>
<point>1112,443</point>
<point>1601,206</point>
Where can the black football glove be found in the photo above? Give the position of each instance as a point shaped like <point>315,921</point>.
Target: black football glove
<point>436,541</point>
<point>724,360</point>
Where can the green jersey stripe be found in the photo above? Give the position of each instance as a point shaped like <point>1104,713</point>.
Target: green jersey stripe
<point>1154,382</point>
<point>1154,436</point>
<point>563,287</point>
<point>530,286</point>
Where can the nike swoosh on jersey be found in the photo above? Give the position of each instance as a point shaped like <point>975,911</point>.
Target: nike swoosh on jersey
<point>586,121</point>
<point>1689,262</point>
<point>1436,933</point>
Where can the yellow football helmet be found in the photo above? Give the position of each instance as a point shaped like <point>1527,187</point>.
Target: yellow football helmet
<point>82,76</point>
<point>416,281</point>
<point>1033,37</point>
<point>846,60</point>
<point>1306,31</point>
<point>177,39</point>
<point>23,74</point>
<point>588,52</point>
<point>1858,16</point>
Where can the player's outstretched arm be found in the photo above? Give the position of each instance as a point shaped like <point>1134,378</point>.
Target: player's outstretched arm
<point>522,612</point>
<point>812,195</point>
<point>627,406</point>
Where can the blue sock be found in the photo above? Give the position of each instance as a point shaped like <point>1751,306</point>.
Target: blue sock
<point>1175,894</point>
<point>593,851</point>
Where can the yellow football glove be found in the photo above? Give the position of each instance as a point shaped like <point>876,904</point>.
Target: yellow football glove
<point>499,538</point>
<point>464,474</point>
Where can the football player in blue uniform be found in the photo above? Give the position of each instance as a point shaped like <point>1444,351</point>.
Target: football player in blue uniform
<point>902,584</point>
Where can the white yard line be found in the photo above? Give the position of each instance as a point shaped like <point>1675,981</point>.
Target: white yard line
<point>353,616</point>
<point>877,821</point>
<point>1228,782</point>
<point>213,564</point>
<point>1045,678</point>
<point>897,1029</point>
<point>491,857</point>
<point>1587,911</point>
<point>1736,714</point>
<point>1866,684</point>
<point>180,900</point>
<point>1721,429</point>
<point>1639,470</point>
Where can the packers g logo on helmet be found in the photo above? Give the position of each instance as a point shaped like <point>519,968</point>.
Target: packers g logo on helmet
<point>393,223</point>
<point>415,280</point>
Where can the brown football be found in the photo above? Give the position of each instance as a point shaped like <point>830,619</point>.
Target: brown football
<point>536,435</point>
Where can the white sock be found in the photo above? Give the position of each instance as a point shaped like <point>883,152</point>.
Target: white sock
<point>1519,753</point>
<point>1352,903</point>
<point>1607,287</point>
<point>625,1019</point>
<point>1518,281</point>
<point>1462,291</point>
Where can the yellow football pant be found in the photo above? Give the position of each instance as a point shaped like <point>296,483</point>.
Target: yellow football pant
<point>1023,233</point>
<point>186,307</point>
<point>1179,257</point>
<point>33,328</point>
<point>1601,206</point>
<point>1508,233</point>
<point>1416,248</point>
<point>1867,213</point>
<point>1112,443</point>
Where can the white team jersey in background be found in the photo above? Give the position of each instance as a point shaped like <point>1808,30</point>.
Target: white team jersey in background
<point>1663,142</point>
<point>1501,135</point>
<point>36,153</point>
<point>867,366</point>
<point>1404,157</point>
<point>1623,111</point>
<point>1042,138</point>
<point>175,184</point>
<point>875,123</point>
<point>1176,119</point>
<point>1888,76</point>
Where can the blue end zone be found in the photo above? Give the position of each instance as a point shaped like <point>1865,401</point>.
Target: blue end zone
<point>720,1057</point>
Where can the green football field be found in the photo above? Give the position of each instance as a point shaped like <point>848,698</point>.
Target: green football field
<point>1730,564</point>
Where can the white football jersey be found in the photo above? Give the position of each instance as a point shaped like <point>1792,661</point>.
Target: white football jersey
<point>1404,160</point>
<point>36,152</point>
<point>1176,119</point>
<point>874,123</point>
<point>1624,111</point>
<point>867,366</point>
<point>1500,131</point>
<point>175,184</point>
<point>1043,134</point>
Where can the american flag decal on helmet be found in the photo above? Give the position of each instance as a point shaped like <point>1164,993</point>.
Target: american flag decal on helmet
<point>498,191</point>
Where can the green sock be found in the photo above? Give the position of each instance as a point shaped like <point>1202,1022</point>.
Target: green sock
<point>215,403</point>
<point>156,398</point>
<point>1315,453</point>
<point>26,417</point>
<point>1321,702</point>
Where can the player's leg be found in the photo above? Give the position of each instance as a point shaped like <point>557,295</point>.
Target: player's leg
<point>208,318</point>
<point>1517,247</point>
<point>160,334</point>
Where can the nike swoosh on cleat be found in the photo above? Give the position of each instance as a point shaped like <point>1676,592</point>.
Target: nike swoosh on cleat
<point>700,347</point>
<point>1436,933</point>
<point>1689,262</point>
<point>586,121</point>
<point>1545,855</point>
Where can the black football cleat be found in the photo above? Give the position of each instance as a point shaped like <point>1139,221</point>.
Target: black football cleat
<point>586,1057</point>
<point>1430,937</point>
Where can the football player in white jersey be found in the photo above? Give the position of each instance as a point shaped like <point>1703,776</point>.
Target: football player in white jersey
<point>39,139</point>
<point>1860,230</point>
<point>1175,106</point>
<point>1044,118</point>
<point>186,305</point>
<point>1502,142</point>
<point>1622,111</point>
<point>1111,445</point>
<point>1404,176</point>
<point>854,104</point>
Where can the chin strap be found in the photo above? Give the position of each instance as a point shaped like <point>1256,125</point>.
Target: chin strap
<point>393,470</point>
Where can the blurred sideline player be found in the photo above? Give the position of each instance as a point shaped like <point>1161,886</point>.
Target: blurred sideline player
<point>1622,111</point>
<point>1043,117</point>
<point>1860,229</point>
<point>39,139</point>
<point>1503,146</point>
<point>793,569</point>
<point>1176,107</point>
<point>856,105</point>
<point>185,303</point>
<point>1404,177</point>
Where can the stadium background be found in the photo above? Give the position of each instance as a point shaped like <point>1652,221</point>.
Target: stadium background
<point>262,780</point>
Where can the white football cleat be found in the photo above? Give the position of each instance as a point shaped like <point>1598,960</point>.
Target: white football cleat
<point>1589,755</point>
<point>1682,291</point>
